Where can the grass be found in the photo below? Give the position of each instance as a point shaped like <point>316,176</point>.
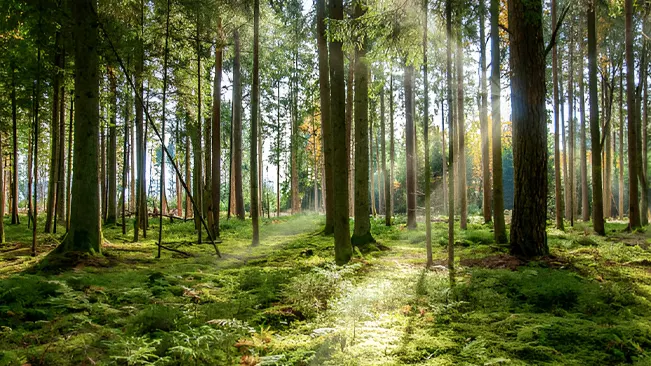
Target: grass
<point>285,302</point>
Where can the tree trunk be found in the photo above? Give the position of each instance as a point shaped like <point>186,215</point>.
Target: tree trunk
<point>528,225</point>
<point>621,147</point>
<point>428,208</point>
<point>445,160</point>
<point>585,197</point>
<point>449,81</point>
<point>125,165</point>
<point>197,168</point>
<point>558,190</point>
<point>237,128</point>
<point>409,137</point>
<point>597,199</point>
<point>463,191</point>
<point>633,202</point>
<point>483,117</point>
<point>278,148</point>
<point>2,194</point>
<point>60,209</point>
<point>54,135</point>
<point>255,104</point>
<point>216,134</point>
<point>387,178</point>
<point>392,151</point>
<point>141,198</point>
<point>15,219</point>
<point>112,189</point>
<point>570,102</point>
<point>338,168</point>
<point>37,123</point>
<point>350,141</point>
<point>325,102</point>
<point>102,161</point>
<point>362,230</point>
<point>370,170</point>
<point>85,233</point>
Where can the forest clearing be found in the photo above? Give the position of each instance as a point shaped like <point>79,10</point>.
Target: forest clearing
<point>285,303</point>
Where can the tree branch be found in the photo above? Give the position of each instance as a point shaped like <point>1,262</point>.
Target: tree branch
<point>552,41</point>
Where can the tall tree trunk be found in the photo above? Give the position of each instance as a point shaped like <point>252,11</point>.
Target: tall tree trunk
<point>15,219</point>
<point>392,150</point>
<point>255,104</point>
<point>409,137</point>
<point>141,198</point>
<point>2,194</point>
<point>640,124</point>
<point>112,189</point>
<point>37,123</point>
<point>528,225</point>
<point>597,199</point>
<point>585,197</point>
<point>216,133</point>
<point>483,117</point>
<point>369,151</point>
<point>463,192</point>
<point>621,147</point>
<point>85,233</point>
<point>60,209</point>
<point>260,168</point>
<point>326,126</point>
<point>362,230</point>
<point>449,81</point>
<point>570,102</point>
<point>278,148</point>
<point>54,135</point>
<point>387,177</point>
<point>188,203</point>
<point>237,128</point>
<point>428,208</point>
<point>350,141</point>
<point>338,168</point>
<point>633,201</point>
<point>197,170</point>
<point>125,165</point>
<point>558,190</point>
<point>445,160</point>
<point>163,120</point>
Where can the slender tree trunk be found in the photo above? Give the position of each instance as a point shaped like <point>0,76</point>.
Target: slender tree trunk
<point>570,102</point>
<point>483,117</point>
<point>558,189</point>
<point>60,198</point>
<point>463,192</point>
<point>597,199</point>
<point>585,196</point>
<point>445,160</point>
<point>370,170</point>
<point>325,103</point>
<point>338,168</point>
<point>197,149</point>
<point>350,140</point>
<point>2,196</point>
<point>392,150</point>
<point>409,136</point>
<point>621,147</point>
<point>260,168</point>
<point>387,177</point>
<point>278,148</point>
<point>15,219</point>
<point>633,201</point>
<point>216,134</point>
<point>449,81</point>
<point>111,203</point>
<point>37,122</point>
<point>255,104</point>
<point>188,203</point>
<point>428,208</point>
<point>54,135</point>
<point>85,233</point>
<point>125,147</point>
<point>528,226</point>
<point>140,209</point>
<point>237,128</point>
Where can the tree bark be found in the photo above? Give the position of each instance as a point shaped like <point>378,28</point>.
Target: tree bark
<point>409,137</point>
<point>558,189</point>
<point>585,197</point>
<point>54,135</point>
<point>483,118</point>
<point>85,234</point>
<point>621,147</point>
<point>597,199</point>
<point>15,219</point>
<point>255,104</point>
<point>463,191</point>
<point>216,134</point>
<point>112,188</point>
<point>428,208</point>
<point>350,141</point>
<point>633,202</point>
<point>237,128</point>
<point>528,225</point>
<point>339,163</point>
<point>387,178</point>
<point>325,103</point>
<point>570,102</point>
<point>449,81</point>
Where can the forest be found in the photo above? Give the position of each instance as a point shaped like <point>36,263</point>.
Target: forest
<point>293,182</point>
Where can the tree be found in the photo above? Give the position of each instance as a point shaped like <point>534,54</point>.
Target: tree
<point>461,128</point>
<point>85,234</point>
<point>387,177</point>
<point>343,247</point>
<point>362,230</point>
<point>585,204</point>
<point>324,94</point>
<point>428,208</point>
<point>558,194</point>
<point>448,78</point>
<point>410,146</point>
<point>498,191</point>
<point>112,189</point>
<point>528,225</point>
<point>633,203</point>
<point>483,118</point>
<point>597,198</point>
<point>255,104</point>
<point>237,128</point>
<point>216,134</point>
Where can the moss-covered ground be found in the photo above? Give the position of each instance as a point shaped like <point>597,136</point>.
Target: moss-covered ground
<point>285,303</point>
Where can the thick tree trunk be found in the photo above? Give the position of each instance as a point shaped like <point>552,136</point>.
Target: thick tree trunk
<point>362,230</point>
<point>112,189</point>
<point>528,226</point>
<point>338,168</point>
<point>558,189</point>
<point>409,137</point>
<point>325,103</point>
<point>255,104</point>
<point>483,118</point>
<point>597,199</point>
<point>85,234</point>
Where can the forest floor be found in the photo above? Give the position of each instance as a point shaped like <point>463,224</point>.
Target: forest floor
<point>285,303</point>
